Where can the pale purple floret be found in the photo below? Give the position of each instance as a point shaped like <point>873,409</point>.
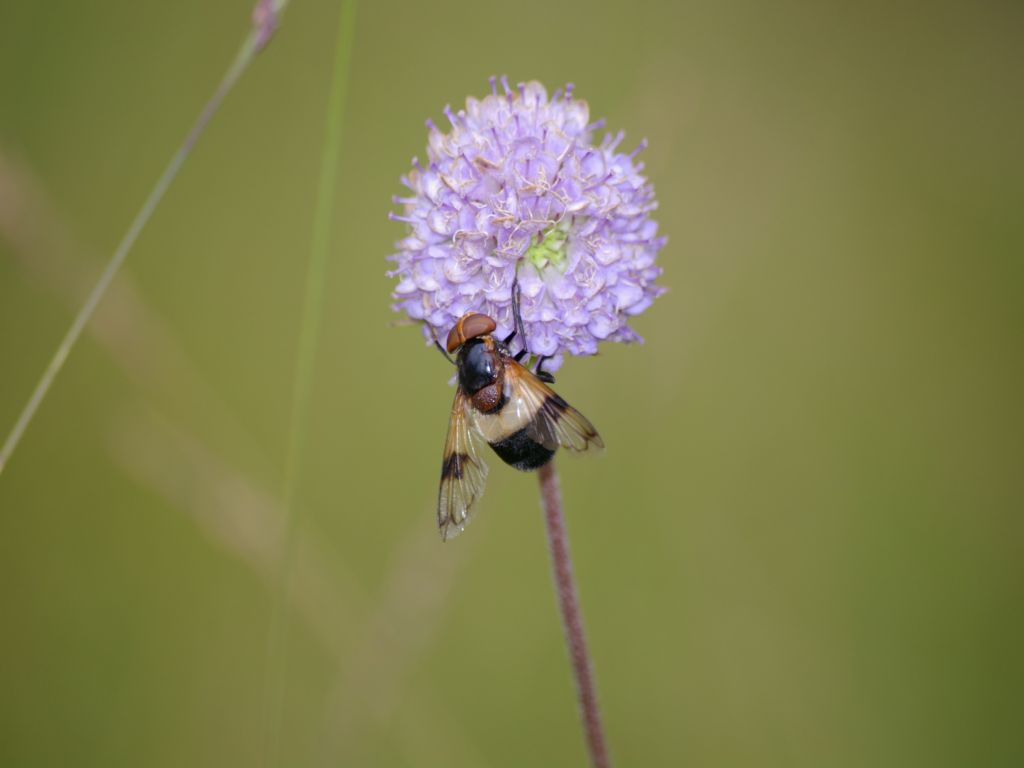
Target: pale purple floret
<point>517,184</point>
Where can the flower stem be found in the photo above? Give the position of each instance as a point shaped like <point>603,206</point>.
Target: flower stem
<point>265,19</point>
<point>572,619</point>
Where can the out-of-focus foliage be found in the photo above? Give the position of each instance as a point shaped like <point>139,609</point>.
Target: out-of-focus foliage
<point>803,544</point>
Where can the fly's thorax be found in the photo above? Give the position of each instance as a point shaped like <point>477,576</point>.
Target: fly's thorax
<point>479,365</point>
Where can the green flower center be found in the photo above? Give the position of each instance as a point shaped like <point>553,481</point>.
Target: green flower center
<point>550,249</point>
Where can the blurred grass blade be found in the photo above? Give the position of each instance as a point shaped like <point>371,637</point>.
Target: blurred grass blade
<point>309,331</point>
<point>265,19</point>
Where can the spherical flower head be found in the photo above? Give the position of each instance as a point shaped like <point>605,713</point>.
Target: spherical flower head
<point>518,188</point>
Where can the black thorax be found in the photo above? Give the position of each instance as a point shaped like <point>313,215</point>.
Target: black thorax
<point>478,366</point>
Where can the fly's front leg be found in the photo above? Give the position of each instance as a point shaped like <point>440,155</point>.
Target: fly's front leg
<point>517,320</point>
<point>541,373</point>
<point>440,347</point>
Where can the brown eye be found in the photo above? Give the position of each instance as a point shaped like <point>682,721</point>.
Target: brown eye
<point>469,326</point>
<point>477,325</point>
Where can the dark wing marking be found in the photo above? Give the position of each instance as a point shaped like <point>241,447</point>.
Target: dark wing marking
<point>463,471</point>
<point>554,422</point>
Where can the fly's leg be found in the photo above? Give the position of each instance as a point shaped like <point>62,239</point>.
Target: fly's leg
<point>541,373</point>
<point>517,320</point>
<point>440,347</point>
<point>519,330</point>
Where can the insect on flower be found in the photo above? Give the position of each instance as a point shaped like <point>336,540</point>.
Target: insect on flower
<point>501,402</point>
<point>523,224</point>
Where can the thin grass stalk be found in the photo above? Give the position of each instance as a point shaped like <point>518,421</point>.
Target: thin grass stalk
<point>309,332</point>
<point>265,20</point>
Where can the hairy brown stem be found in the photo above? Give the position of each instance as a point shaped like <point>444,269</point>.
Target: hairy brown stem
<point>572,619</point>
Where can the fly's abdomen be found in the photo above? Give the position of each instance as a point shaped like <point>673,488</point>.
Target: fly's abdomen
<point>522,451</point>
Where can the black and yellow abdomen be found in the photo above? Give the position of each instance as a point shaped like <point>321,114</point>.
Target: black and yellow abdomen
<point>522,451</point>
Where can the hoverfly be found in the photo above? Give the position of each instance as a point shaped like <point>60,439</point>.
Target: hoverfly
<point>501,402</point>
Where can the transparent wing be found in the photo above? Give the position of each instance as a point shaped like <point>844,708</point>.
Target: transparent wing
<point>553,421</point>
<point>463,471</point>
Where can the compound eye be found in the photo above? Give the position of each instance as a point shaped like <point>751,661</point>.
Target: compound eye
<point>470,326</point>
<point>477,325</point>
<point>455,339</point>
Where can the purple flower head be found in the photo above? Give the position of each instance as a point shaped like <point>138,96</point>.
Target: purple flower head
<point>517,187</point>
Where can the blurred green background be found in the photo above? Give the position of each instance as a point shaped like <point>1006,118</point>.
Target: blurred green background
<point>803,545</point>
